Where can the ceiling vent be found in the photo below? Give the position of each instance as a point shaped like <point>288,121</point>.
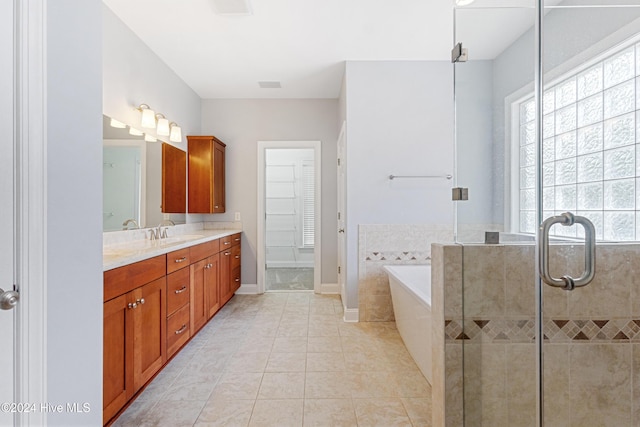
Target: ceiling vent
<point>269,85</point>
<point>232,7</point>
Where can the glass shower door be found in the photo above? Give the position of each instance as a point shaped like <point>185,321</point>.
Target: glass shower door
<point>532,354</point>
<point>591,168</point>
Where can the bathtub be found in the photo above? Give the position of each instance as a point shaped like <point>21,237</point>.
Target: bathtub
<point>411,297</point>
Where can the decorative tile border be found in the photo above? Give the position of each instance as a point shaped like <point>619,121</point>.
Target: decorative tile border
<point>422,256</point>
<point>555,330</point>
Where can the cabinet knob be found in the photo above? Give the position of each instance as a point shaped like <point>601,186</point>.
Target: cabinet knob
<point>237,279</point>
<point>181,290</point>
<point>132,305</point>
<point>140,301</point>
<point>227,253</point>
<point>237,256</point>
<point>216,207</point>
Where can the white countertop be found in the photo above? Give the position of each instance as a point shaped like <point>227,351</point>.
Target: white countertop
<point>116,255</point>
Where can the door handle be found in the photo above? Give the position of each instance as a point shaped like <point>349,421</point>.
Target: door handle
<point>567,282</point>
<point>8,299</point>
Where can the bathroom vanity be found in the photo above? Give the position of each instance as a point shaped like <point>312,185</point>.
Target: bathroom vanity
<point>157,295</point>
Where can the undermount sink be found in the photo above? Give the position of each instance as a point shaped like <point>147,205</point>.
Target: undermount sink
<point>178,239</point>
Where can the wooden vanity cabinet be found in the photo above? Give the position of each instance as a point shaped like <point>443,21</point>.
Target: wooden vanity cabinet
<point>206,174</point>
<point>204,279</point>
<point>134,338</point>
<point>229,266</point>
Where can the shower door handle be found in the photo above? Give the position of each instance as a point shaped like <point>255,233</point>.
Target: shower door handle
<point>567,282</point>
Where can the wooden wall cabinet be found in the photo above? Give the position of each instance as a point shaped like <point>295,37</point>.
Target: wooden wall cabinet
<point>134,337</point>
<point>174,177</point>
<point>206,174</point>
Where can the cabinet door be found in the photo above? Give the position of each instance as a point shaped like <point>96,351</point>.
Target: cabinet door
<point>213,285</point>
<point>150,340</point>
<point>198,305</point>
<point>174,179</point>
<point>200,175</point>
<point>218,205</point>
<point>117,385</point>
<point>225,276</point>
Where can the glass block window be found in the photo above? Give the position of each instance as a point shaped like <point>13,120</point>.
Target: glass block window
<point>591,151</point>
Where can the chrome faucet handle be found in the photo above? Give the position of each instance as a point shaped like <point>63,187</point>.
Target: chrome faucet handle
<point>164,235</point>
<point>153,234</point>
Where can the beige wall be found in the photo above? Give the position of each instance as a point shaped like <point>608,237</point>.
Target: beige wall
<point>592,350</point>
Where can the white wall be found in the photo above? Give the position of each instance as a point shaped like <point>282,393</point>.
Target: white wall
<point>74,209</point>
<point>241,124</point>
<point>399,121</point>
<point>133,74</point>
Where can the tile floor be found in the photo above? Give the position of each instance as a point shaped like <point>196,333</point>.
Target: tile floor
<point>289,279</point>
<point>287,359</point>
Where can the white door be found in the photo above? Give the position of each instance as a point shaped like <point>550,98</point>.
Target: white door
<point>6,210</point>
<point>342,183</point>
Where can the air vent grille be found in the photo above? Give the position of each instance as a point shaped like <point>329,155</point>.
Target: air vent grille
<point>269,85</point>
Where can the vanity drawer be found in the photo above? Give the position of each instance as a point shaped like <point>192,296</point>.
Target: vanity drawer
<point>124,279</point>
<point>177,330</point>
<point>177,290</point>
<point>226,242</point>
<point>235,256</point>
<point>177,260</point>
<point>235,239</point>
<point>204,250</point>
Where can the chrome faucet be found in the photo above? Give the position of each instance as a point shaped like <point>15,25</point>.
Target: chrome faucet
<point>159,232</point>
<point>125,225</point>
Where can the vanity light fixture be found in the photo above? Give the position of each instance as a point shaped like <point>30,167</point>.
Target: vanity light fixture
<point>148,120</point>
<point>149,138</point>
<point>116,124</point>
<point>135,132</point>
<point>163,125</point>
<point>176,133</point>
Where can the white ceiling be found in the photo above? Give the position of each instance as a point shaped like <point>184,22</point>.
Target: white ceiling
<point>301,43</point>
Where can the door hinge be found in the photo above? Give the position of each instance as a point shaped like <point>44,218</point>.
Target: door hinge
<point>459,193</point>
<point>459,54</point>
<point>338,269</point>
<point>338,161</point>
<point>338,215</point>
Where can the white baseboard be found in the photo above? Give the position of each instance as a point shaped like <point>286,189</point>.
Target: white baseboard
<point>351,315</point>
<point>329,288</point>
<point>248,289</point>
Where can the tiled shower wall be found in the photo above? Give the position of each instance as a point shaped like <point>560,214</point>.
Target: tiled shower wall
<point>385,244</point>
<point>592,337</point>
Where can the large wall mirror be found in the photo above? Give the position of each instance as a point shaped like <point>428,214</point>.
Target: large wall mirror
<point>133,180</point>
